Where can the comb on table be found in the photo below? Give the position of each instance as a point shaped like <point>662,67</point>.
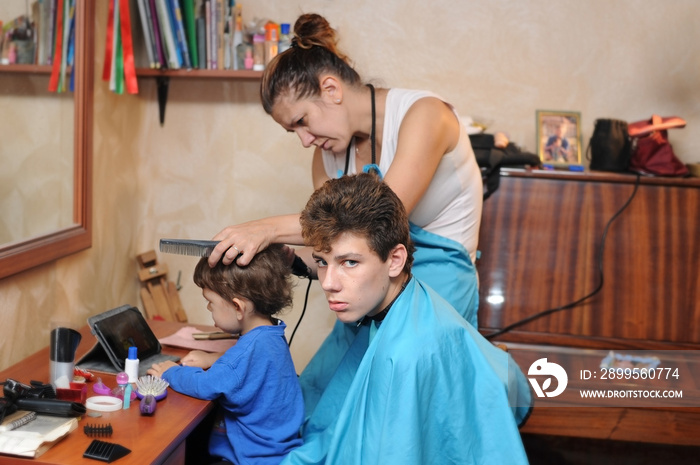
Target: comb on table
<point>105,451</point>
<point>195,248</point>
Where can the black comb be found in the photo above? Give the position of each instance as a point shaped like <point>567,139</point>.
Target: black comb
<point>105,451</point>
<point>195,248</point>
<point>98,430</point>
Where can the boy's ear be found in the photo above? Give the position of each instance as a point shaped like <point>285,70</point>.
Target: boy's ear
<point>397,259</point>
<point>239,307</point>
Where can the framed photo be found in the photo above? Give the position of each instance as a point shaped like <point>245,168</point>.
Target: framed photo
<point>559,137</point>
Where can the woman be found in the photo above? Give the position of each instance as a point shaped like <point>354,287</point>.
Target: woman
<point>413,138</point>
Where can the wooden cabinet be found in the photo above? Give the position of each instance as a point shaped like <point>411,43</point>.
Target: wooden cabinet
<point>545,243</point>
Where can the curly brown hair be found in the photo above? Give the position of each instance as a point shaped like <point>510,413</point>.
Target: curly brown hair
<point>296,70</point>
<point>361,204</point>
<point>265,281</point>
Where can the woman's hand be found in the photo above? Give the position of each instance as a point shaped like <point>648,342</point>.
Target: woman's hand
<point>241,242</point>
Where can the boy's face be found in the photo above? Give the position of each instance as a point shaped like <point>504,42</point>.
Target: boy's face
<point>223,312</point>
<point>355,280</point>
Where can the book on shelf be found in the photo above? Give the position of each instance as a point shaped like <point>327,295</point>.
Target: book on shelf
<point>201,27</point>
<point>192,34</point>
<point>208,14</point>
<point>145,16</point>
<point>16,419</point>
<point>220,19</point>
<point>179,33</point>
<point>189,18</point>
<point>157,36</point>
<point>37,436</point>
<point>174,58</point>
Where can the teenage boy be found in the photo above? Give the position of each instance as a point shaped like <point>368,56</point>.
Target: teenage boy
<point>412,382</point>
<point>254,382</point>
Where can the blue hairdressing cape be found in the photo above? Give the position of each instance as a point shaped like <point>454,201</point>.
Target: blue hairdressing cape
<point>444,265</point>
<point>426,387</point>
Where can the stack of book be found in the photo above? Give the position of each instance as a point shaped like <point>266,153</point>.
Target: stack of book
<point>31,39</point>
<point>187,34</point>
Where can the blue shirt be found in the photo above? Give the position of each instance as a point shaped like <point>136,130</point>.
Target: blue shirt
<point>256,385</point>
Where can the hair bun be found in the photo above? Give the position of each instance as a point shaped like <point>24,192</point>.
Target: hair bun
<point>313,29</point>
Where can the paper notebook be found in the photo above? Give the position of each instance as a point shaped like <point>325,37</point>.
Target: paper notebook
<point>16,419</point>
<point>37,436</point>
<point>116,330</point>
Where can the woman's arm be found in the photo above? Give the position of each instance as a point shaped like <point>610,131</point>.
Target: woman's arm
<point>252,237</point>
<point>428,131</point>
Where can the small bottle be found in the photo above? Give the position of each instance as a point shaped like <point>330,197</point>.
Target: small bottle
<point>120,390</point>
<point>285,38</point>
<point>258,52</point>
<point>127,396</point>
<point>271,42</point>
<point>248,62</point>
<point>131,365</point>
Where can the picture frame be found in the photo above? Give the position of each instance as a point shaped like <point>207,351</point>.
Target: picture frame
<point>559,137</point>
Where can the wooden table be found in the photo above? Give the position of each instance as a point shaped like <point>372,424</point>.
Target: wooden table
<point>159,439</point>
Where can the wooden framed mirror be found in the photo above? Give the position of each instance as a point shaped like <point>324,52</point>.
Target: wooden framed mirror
<point>28,252</point>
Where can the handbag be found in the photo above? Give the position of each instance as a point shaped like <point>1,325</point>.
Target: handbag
<point>609,148</point>
<point>652,153</point>
<point>491,159</point>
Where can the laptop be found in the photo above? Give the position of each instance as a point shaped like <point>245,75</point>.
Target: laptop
<point>116,330</point>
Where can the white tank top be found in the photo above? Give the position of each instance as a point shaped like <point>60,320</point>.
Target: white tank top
<point>451,207</point>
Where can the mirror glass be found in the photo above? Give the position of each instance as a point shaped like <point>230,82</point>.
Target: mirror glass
<point>36,155</point>
<point>45,153</point>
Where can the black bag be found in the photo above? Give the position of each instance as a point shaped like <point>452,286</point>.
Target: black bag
<point>491,158</point>
<point>609,148</point>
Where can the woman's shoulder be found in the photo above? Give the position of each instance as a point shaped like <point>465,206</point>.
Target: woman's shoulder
<point>421,102</point>
<point>408,96</point>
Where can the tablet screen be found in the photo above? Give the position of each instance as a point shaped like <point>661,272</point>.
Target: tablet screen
<point>125,329</point>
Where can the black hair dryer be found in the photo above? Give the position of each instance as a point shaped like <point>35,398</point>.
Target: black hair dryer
<point>64,343</point>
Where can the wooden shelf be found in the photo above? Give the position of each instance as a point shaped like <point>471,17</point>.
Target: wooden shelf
<point>245,75</point>
<point>26,69</point>
<point>163,79</point>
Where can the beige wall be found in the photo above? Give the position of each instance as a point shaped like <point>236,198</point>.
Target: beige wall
<point>220,160</point>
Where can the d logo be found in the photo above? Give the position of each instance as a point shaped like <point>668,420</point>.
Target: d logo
<point>542,367</point>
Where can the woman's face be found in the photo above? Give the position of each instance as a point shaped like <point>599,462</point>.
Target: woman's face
<point>316,120</point>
